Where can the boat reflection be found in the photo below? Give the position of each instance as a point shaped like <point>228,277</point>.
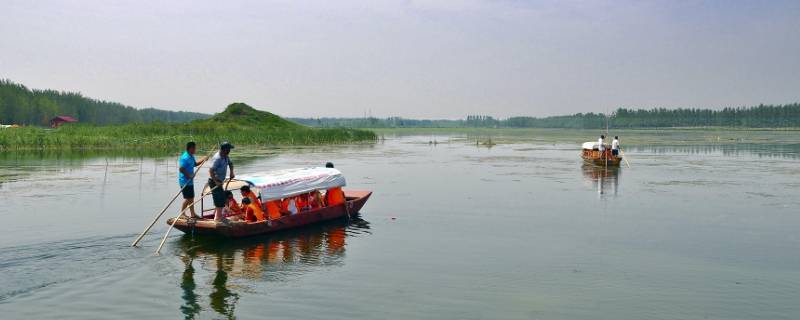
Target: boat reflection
<point>234,264</point>
<point>606,179</point>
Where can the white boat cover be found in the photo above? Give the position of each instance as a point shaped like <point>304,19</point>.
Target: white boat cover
<point>286,183</point>
<point>590,145</point>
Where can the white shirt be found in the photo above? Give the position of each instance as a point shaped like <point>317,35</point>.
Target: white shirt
<point>600,145</point>
<point>615,145</point>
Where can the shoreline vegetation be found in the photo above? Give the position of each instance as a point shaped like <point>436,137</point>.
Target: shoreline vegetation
<point>761,116</point>
<point>239,123</point>
<point>33,107</point>
<point>574,137</point>
<point>110,126</point>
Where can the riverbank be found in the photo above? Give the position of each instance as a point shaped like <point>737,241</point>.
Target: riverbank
<point>645,136</point>
<point>240,124</point>
<point>157,136</point>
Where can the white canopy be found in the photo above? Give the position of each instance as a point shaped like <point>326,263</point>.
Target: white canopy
<point>590,145</point>
<point>285,183</point>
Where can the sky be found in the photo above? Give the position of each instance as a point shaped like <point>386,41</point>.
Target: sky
<point>409,58</point>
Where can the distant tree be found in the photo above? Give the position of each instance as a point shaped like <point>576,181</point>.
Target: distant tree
<point>761,116</point>
<point>21,105</point>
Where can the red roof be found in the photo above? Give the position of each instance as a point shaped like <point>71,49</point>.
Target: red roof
<point>65,119</point>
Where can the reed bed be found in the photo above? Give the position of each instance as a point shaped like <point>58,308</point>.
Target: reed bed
<point>166,136</point>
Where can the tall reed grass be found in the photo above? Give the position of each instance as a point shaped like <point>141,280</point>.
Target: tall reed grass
<point>166,136</point>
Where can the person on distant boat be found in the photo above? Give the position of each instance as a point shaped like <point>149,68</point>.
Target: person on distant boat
<point>186,165</point>
<point>247,193</point>
<point>615,146</point>
<point>600,146</point>
<point>220,164</point>
<point>252,212</point>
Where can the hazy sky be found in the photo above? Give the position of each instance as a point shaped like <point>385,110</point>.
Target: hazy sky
<point>419,59</point>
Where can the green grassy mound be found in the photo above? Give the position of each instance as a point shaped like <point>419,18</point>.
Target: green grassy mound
<point>239,123</point>
<point>243,115</point>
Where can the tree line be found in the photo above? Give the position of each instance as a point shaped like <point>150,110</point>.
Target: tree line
<point>761,116</point>
<point>24,106</point>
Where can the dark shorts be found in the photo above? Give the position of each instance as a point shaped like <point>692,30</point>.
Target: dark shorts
<point>615,152</point>
<point>217,194</point>
<point>188,192</point>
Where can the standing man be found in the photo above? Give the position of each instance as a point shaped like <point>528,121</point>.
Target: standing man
<point>600,146</point>
<point>615,146</point>
<point>219,168</point>
<point>186,165</point>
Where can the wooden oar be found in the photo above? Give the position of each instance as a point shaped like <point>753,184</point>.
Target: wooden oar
<point>174,220</point>
<point>624,157</point>
<point>158,216</point>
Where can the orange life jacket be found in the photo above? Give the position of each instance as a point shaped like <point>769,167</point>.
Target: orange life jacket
<point>302,202</point>
<point>234,208</point>
<point>273,209</point>
<point>253,213</point>
<point>253,198</point>
<point>335,196</point>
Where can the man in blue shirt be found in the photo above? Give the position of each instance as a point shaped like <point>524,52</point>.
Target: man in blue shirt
<point>186,165</point>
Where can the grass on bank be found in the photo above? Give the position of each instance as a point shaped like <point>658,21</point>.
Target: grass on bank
<point>240,124</point>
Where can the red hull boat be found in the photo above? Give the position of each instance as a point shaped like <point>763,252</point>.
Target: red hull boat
<point>355,200</point>
<point>592,155</point>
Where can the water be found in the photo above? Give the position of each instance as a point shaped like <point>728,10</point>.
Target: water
<point>455,230</point>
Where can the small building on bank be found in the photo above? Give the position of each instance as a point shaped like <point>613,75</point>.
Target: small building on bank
<point>57,121</point>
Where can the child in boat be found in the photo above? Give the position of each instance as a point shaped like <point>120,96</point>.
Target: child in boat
<point>232,208</point>
<point>252,211</point>
<point>247,193</point>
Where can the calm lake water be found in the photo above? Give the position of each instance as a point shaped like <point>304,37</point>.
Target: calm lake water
<point>703,226</point>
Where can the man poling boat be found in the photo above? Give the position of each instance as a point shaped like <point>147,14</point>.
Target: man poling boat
<point>316,194</point>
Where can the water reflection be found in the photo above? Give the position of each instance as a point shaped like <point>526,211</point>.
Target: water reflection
<point>606,179</point>
<point>237,264</point>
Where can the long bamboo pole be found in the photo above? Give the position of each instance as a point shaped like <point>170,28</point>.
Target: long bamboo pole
<point>158,216</point>
<point>174,220</point>
<point>624,157</point>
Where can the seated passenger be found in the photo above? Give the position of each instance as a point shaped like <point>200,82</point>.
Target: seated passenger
<point>247,193</point>
<point>252,212</point>
<point>273,209</point>
<point>289,205</point>
<point>334,196</point>
<point>232,207</point>
<point>315,200</point>
<point>302,202</point>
